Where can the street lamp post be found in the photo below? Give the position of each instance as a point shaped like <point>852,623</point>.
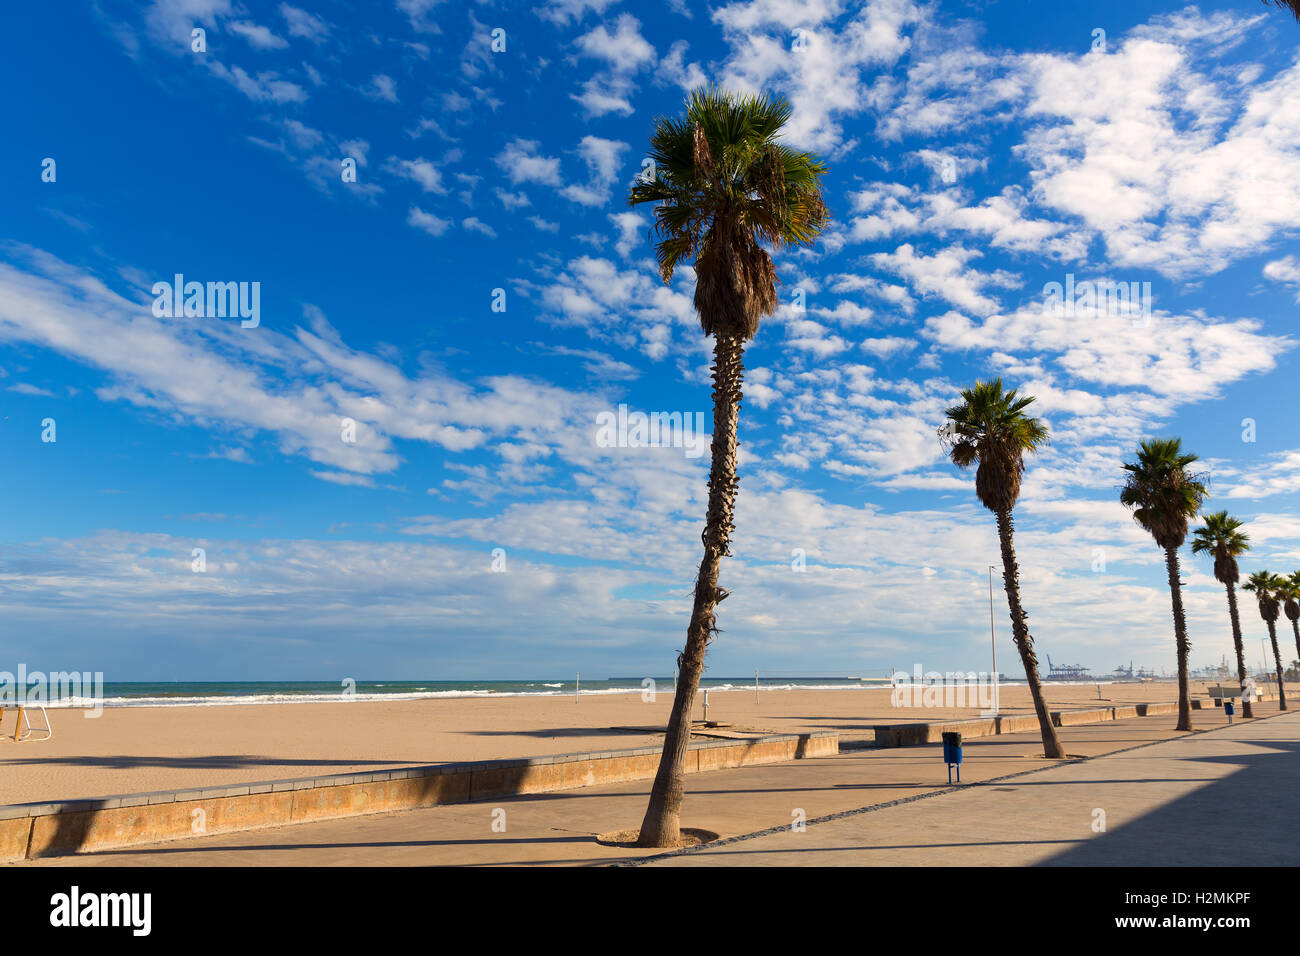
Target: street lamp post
<point>993,644</point>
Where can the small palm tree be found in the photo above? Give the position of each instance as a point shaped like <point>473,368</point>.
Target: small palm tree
<point>1267,587</point>
<point>1164,497</point>
<point>990,428</point>
<point>726,186</point>
<point>1292,5</point>
<point>1221,536</point>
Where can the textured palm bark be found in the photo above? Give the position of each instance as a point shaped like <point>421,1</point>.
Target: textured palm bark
<point>1295,626</point>
<point>1180,639</point>
<point>1020,634</point>
<point>1277,660</point>
<point>1247,709</point>
<point>661,826</point>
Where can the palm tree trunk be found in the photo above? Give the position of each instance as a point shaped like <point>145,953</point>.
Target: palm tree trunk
<point>1180,639</point>
<point>1277,659</point>
<point>1246,706</point>
<point>1020,634</point>
<point>660,828</point>
<point>1295,626</point>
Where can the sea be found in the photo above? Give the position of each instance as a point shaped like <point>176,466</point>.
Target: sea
<point>225,693</point>
<point>219,693</point>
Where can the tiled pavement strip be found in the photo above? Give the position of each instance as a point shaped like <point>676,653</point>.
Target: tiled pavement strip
<point>1226,797</point>
<point>1029,818</point>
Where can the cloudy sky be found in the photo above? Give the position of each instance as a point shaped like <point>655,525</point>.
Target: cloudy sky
<point>479,293</point>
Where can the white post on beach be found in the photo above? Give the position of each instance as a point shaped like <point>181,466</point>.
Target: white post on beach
<point>706,705</point>
<point>576,681</point>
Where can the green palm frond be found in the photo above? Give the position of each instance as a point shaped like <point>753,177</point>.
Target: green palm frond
<point>725,188</point>
<point>1261,582</point>
<point>1288,591</point>
<point>1267,588</point>
<point>1221,536</point>
<point>1161,491</point>
<point>989,427</point>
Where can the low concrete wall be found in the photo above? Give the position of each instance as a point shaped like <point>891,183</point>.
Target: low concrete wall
<point>909,735</point>
<point>1094,715</point>
<point>1152,710</point>
<point>32,830</point>
<point>913,734</point>
<point>1018,724</point>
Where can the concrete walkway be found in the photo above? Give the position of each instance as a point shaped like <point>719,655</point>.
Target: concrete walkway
<point>1227,797</point>
<point>559,828</point>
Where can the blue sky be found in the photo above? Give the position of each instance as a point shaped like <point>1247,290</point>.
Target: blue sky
<point>977,152</point>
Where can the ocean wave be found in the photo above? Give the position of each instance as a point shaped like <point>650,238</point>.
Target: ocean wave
<point>181,699</point>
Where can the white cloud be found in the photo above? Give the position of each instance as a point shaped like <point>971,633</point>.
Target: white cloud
<point>887,346</point>
<point>675,69</point>
<point>945,274</point>
<point>473,224</point>
<point>562,12</point>
<point>419,12</point>
<point>1186,357</point>
<point>521,162</point>
<point>1178,195</point>
<point>264,87</point>
<point>512,201</point>
<point>433,225</point>
<point>1286,269</point>
<point>631,230</point>
<point>603,158</point>
<point>1276,474</point>
<point>258,36</point>
<point>624,52</point>
<point>169,22</point>
<point>624,49</point>
<point>823,77</point>
<point>300,23</point>
<point>419,171</point>
<point>381,87</point>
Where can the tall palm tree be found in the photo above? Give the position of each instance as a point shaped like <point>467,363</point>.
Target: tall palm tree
<point>1164,496</point>
<point>1292,5</point>
<point>1290,592</point>
<point>990,427</point>
<point>1266,588</point>
<point>726,188</point>
<point>1221,536</point>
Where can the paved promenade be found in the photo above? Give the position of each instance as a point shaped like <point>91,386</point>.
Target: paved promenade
<point>1227,795</point>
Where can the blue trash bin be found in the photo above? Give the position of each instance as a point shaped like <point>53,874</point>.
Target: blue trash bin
<point>952,753</point>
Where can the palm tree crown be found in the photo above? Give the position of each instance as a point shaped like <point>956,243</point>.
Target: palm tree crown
<point>725,186</point>
<point>1163,494</point>
<point>1221,536</point>
<point>1266,587</point>
<point>990,427</point>
<point>1288,589</point>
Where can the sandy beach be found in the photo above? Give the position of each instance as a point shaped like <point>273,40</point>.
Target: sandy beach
<point>133,749</point>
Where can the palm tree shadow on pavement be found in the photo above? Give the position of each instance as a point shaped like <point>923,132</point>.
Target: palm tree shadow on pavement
<point>1207,827</point>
